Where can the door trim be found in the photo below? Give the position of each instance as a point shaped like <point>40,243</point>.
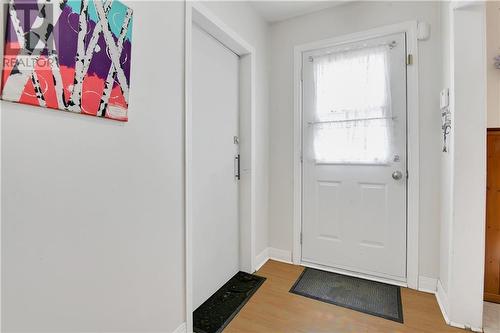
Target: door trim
<point>197,13</point>
<point>413,155</point>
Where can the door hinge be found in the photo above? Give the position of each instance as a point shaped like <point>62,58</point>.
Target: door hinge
<point>407,174</point>
<point>409,59</point>
<point>301,74</point>
<point>300,238</point>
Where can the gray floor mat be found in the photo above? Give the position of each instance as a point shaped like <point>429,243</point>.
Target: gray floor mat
<point>374,298</point>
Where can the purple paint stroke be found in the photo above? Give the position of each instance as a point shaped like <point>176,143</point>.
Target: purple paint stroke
<point>66,39</point>
<point>66,43</point>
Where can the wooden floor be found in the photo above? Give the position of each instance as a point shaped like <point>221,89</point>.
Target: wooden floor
<point>274,310</point>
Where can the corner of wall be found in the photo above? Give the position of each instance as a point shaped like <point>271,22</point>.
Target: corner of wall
<point>181,329</point>
<point>442,299</point>
<point>261,258</point>
<point>427,284</point>
<point>271,253</point>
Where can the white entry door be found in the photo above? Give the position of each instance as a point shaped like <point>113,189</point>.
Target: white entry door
<point>354,157</point>
<point>215,89</point>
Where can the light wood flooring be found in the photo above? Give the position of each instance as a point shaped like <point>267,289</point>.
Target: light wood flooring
<point>274,310</point>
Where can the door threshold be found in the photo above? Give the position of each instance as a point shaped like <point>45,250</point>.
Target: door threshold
<point>355,274</point>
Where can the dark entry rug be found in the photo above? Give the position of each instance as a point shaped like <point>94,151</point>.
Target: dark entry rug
<point>218,311</point>
<point>374,298</point>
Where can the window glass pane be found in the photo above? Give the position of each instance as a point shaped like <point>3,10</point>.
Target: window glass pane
<point>352,107</point>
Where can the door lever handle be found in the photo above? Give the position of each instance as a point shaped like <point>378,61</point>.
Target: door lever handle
<point>237,167</point>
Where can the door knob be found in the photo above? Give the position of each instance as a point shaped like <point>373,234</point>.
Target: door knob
<point>397,175</point>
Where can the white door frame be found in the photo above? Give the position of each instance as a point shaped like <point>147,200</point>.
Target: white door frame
<point>410,28</point>
<point>197,13</point>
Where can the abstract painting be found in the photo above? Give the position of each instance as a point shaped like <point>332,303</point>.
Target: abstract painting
<point>71,55</point>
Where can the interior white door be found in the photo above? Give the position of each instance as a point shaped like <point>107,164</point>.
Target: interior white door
<point>215,89</point>
<point>354,157</point>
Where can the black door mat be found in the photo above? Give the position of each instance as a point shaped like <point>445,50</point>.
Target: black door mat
<point>374,298</point>
<point>218,311</point>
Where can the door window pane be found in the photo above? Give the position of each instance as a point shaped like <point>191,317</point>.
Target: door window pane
<point>352,118</point>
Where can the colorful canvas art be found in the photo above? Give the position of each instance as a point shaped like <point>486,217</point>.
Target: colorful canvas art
<point>71,55</point>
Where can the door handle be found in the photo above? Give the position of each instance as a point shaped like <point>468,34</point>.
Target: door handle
<point>397,175</point>
<point>237,169</point>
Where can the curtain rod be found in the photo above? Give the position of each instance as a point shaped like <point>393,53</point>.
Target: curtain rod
<point>348,120</point>
<point>391,45</point>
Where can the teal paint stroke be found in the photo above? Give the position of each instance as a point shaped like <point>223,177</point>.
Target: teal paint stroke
<point>116,15</point>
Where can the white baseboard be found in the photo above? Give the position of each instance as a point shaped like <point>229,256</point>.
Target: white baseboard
<point>477,329</point>
<point>467,328</point>
<point>274,254</point>
<point>464,327</point>
<point>442,299</point>
<point>280,255</point>
<point>427,285</point>
<point>181,329</point>
<point>261,258</point>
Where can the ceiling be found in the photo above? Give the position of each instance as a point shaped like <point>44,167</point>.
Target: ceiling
<point>274,11</point>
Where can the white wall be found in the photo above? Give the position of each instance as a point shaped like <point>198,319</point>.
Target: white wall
<point>493,50</point>
<point>92,219</point>
<point>345,19</point>
<point>446,158</point>
<point>461,277</point>
<point>245,21</point>
<point>469,193</point>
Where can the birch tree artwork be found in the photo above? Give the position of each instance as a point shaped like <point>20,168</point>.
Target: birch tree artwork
<point>71,55</point>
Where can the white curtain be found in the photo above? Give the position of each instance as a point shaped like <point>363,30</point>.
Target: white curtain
<point>352,118</point>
